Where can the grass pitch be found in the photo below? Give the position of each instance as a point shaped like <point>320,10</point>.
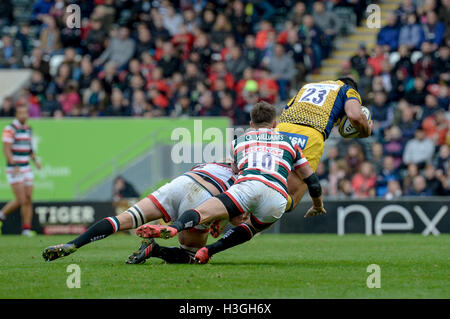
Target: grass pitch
<point>269,266</point>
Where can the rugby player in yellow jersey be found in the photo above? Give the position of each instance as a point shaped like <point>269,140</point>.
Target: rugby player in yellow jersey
<point>311,114</point>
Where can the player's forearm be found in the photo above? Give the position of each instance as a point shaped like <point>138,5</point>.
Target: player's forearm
<point>8,154</point>
<point>317,201</point>
<point>314,189</point>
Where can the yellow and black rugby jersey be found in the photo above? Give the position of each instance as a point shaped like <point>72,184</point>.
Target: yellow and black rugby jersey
<point>319,105</point>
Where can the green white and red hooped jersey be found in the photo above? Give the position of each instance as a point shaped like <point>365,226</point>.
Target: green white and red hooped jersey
<point>266,156</point>
<point>19,136</point>
<point>219,174</point>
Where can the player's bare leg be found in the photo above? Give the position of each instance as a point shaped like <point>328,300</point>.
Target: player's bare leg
<point>297,188</point>
<point>9,207</point>
<point>235,236</point>
<point>208,211</point>
<point>20,200</point>
<point>26,210</point>
<point>144,211</point>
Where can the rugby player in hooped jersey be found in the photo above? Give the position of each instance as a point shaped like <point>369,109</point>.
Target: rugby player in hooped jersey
<point>263,158</point>
<point>184,192</point>
<point>18,150</point>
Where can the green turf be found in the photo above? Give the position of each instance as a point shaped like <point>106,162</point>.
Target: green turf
<point>270,266</point>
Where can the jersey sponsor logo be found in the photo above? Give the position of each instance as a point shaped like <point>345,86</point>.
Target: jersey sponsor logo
<point>298,139</point>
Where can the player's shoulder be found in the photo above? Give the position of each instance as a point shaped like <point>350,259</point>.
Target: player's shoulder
<point>348,92</point>
<point>10,127</point>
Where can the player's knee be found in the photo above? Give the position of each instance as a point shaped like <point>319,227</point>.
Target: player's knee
<point>133,216</point>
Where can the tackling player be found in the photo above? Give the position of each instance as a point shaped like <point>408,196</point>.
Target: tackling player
<point>264,159</point>
<point>311,114</point>
<point>184,192</point>
<point>18,152</point>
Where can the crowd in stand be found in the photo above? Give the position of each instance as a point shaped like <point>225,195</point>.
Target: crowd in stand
<point>405,83</point>
<point>168,58</point>
<point>218,58</point>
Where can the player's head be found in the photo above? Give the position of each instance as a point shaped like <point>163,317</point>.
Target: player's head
<point>349,81</point>
<point>262,115</point>
<point>22,111</point>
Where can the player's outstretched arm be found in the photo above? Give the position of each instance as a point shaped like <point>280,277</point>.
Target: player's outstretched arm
<point>311,180</point>
<point>357,118</point>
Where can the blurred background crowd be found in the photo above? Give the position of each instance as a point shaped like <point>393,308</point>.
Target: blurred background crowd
<point>218,58</point>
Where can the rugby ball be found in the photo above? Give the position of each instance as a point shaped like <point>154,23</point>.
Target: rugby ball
<point>346,128</point>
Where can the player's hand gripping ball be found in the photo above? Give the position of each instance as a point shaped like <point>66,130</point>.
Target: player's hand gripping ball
<point>346,128</point>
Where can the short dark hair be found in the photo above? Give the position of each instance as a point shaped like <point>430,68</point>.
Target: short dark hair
<point>349,81</point>
<point>263,113</point>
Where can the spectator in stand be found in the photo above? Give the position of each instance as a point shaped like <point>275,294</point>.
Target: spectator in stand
<point>239,20</point>
<point>94,98</point>
<point>377,57</point>
<point>404,62</point>
<point>406,9</point>
<point>431,106</point>
<point>347,71</point>
<point>433,29</point>
<point>394,190</point>
<point>388,35</point>
<point>118,105</point>
<point>442,61</point>
<point>411,33</point>
<point>436,127</point>
<point>419,150</point>
<point>172,20</point>
<point>364,180</point>
<point>70,37</point>
<point>377,157</point>
<point>267,86</point>
<point>345,188</point>
<point>40,9</point>
<point>237,63</point>
<point>359,60</point>
<point>283,70</point>
<point>263,34</point>
<point>8,109</point>
<point>417,95</point>
<point>11,54</point>
<point>297,13</point>
<point>220,31</point>
<point>329,22</point>
<point>251,53</point>
<point>314,38</point>
<point>388,173</point>
<point>411,172</point>
<point>70,99</point>
<point>394,144</point>
<point>95,38</point>
<point>419,187</point>
<point>119,51</point>
<point>123,189</point>
<point>354,157</point>
<point>50,35</point>
<point>434,184</point>
<point>337,171</point>
<point>382,113</point>
<point>424,67</point>
<point>442,160</point>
